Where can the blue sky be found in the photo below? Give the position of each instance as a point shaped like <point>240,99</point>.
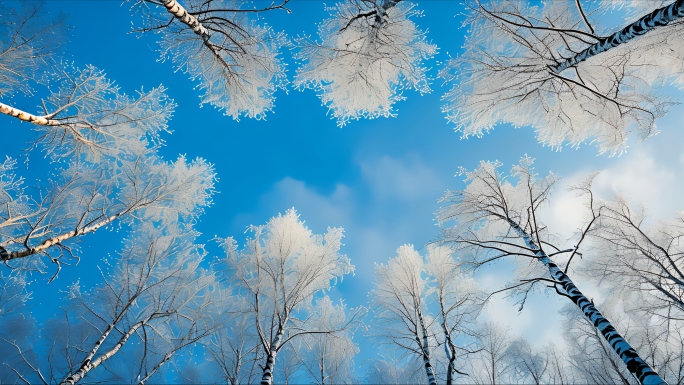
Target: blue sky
<point>379,179</point>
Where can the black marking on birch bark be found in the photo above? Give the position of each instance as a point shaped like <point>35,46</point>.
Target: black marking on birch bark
<point>658,18</point>
<point>628,355</point>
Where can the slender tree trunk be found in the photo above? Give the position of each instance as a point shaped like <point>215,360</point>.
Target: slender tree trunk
<point>658,18</point>
<point>177,10</point>
<point>46,244</point>
<point>89,365</point>
<point>426,350</point>
<point>27,117</point>
<point>638,367</point>
<point>448,349</point>
<point>267,377</point>
<point>167,357</point>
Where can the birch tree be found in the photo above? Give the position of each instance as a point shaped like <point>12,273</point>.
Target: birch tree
<point>593,361</point>
<point>558,68</point>
<point>86,116</point>
<point>84,198</point>
<point>401,299</point>
<point>235,60</point>
<point>459,301</point>
<point>280,271</point>
<point>152,303</point>
<point>366,54</point>
<point>497,219</point>
<point>397,300</point>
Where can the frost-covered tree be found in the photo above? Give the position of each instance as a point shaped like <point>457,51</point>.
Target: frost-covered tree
<point>84,198</point>
<point>279,273</point>
<point>327,358</point>
<point>398,303</point>
<point>234,347</point>
<point>557,66</point>
<point>593,361</point>
<point>391,370</point>
<point>403,292</point>
<point>154,301</point>
<point>86,116</point>
<point>489,364</point>
<point>28,41</point>
<point>498,218</point>
<point>639,261</point>
<point>527,365</point>
<point>458,300</point>
<point>366,54</point>
<point>219,43</point>
<point>16,326</point>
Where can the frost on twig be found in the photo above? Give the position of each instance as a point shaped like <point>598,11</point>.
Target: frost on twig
<point>368,52</point>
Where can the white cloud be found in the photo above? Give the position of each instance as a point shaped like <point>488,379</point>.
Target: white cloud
<point>394,178</point>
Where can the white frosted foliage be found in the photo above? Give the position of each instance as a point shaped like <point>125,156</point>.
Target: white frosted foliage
<point>505,75</point>
<point>236,62</point>
<point>366,55</point>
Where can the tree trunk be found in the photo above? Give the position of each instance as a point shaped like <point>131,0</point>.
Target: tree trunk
<point>638,367</point>
<point>167,357</point>
<point>27,117</point>
<point>46,244</point>
<point>426,350</point>
<point>267,377</point>
<point>177,10</point>
<point>658,18</point>
<point>89,365</point>
<point>448,349</point>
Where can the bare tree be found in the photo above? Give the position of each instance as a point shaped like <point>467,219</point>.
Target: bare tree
<point>279,273</point>
<point>497,219</point>
<point>154,302</point>
<point>554,67</point>
<point>84,198</point>
<point>217,42</point>
<point>368,53</point>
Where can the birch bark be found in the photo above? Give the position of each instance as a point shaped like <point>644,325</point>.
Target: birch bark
<point>425,348</point>
<point>27,117</point>
<point>658,18</point>
<point>267,377</point>
<point>638,367</point>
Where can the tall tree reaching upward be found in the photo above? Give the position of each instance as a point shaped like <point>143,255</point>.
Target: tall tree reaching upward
<point>153,302</point>
<point>218,42</point>
<point>555,67</point>
<point>279,273</point>
<point>368,53</point>
<point>401,297</point>
<point>497,219</point>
